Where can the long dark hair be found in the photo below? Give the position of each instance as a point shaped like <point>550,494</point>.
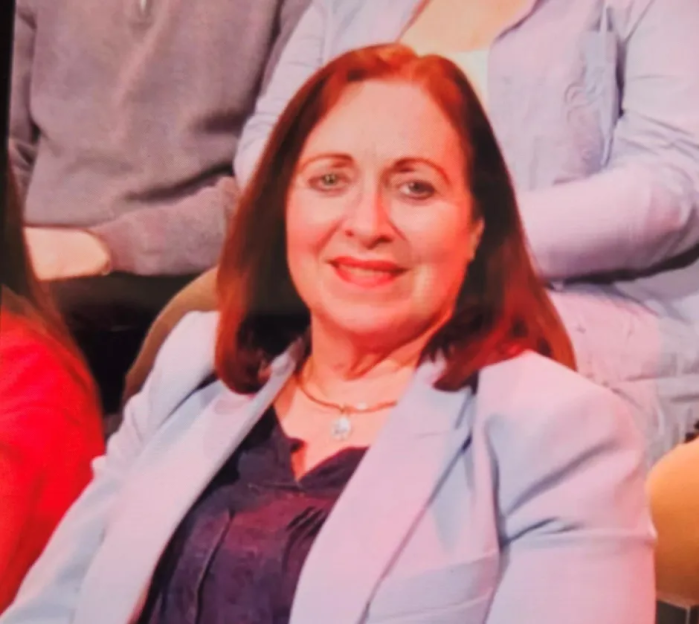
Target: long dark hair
<point>27,296</point>
<point>502,308</point>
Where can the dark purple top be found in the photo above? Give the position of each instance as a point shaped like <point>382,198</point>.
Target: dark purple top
<point>238,553</point>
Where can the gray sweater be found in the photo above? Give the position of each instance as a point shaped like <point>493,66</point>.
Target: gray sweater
<point>126,115</point>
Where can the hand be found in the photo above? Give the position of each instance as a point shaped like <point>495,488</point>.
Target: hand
<point>63,253</point>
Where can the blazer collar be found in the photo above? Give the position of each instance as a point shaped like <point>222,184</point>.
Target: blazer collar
<point>375,512</point>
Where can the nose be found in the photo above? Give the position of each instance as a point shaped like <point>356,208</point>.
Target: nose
<point>368,218</point>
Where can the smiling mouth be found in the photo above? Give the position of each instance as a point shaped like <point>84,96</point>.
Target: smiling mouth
<point>367,273</point>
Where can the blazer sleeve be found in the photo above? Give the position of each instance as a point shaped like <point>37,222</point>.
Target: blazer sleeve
<point>50,592</point>
<point>302,56</point>
<point>643,207</point>
<point>575,531</point>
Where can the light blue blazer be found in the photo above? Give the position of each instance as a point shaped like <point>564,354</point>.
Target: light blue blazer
<point>522,504</point>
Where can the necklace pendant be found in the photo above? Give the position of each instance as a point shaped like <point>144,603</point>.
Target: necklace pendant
<point>341,428</point>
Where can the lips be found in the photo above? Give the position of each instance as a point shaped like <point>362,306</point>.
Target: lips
<point>366,273</point>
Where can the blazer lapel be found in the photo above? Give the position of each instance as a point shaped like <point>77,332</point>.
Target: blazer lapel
<point>165,490</point>
<point>382,502</point>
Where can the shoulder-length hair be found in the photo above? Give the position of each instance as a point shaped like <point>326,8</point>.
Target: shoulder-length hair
<point>502,308</point>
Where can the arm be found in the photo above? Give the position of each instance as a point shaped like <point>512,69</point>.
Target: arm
<point>643,208</point>
<point>290,13</point>
<point>176,239</point>
<point>186,237</point>
<point>575,530</point>
<point>302,56</point>
<point>23,133</point>
<point>50,592</point>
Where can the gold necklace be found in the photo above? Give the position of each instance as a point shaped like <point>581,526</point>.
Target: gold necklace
<point>341,427</point>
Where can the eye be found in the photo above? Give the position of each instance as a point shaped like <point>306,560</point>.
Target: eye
<point>331,181</point>
<point>417,189</point>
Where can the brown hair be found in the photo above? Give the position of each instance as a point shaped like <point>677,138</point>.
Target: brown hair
<point>502,308</point>
<point>22,293</point>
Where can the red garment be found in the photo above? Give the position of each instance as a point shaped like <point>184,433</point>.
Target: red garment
<point>50,430</point>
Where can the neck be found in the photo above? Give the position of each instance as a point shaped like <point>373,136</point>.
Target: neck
<point>342,370</point>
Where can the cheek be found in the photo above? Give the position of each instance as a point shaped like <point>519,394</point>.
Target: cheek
<point>442,249</point>
<point>307,231</point>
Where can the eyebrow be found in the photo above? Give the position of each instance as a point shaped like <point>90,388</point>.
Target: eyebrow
<point>334,157</point>
<point>405,163</point>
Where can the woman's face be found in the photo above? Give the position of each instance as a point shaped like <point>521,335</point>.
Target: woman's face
<point>379,217</point>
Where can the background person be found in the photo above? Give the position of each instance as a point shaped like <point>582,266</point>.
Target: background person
<point>50,425</point>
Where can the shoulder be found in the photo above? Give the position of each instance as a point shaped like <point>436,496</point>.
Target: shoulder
<point>187,356</point>
<point>533,383</point>
<point>36,365</point>
<point>531,403</point>
<point>48,401</point>
<point>196,333</point>
<point>565,451</point>
<point>565,485</point>
<point>185,360</point>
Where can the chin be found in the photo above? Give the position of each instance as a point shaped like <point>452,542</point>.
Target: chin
<point>372,326</point>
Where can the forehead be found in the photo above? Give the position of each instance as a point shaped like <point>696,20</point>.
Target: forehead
<point>391,119</point>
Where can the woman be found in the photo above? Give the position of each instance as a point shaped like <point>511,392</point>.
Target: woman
<point>50,426</point>
<point>395,433</point>
<point>596,106</point>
